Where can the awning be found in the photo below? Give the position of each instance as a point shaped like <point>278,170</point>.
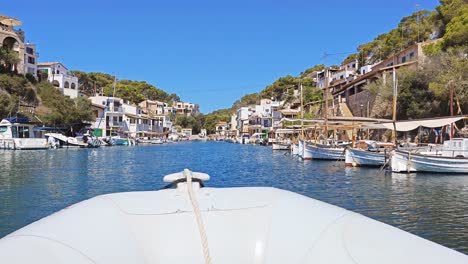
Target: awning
<point>287,131</point>
<point>403,126</point>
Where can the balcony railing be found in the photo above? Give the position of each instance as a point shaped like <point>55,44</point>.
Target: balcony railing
<point>115,124</point>
<point>115,109</point>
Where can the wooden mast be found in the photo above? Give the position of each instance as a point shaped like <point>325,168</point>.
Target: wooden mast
<point>326,104</point>
<point>302,112</point>
<point>451,108</point>
<point>395,91</point>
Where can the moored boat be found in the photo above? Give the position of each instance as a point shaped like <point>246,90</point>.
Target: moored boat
<point>453,158</point>
<point>361,157</point>
<point>152,227</point>
<point>295,149</point>
<point>368,153</point>
<point>16,133</point>
<point>83,139</point>
<point>281,146</point>
<point>324,152</point>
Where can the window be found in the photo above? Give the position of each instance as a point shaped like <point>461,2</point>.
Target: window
<point>411,55</point>
<point>31,60</point>
<point>3,129</point>
<point>403,60</point>
<point>363,71</point>
<point>29,50</point>
<point>23,132</point>
<point>354,65</point>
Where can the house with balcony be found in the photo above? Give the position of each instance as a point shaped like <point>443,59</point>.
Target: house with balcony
<point>13,40</point>
<point>243,115</point>
<point>152,107</point>
<point>57,75</point>
<point>359,101</point>
<point>30,59</point>
<point>186,109</point>
<point>110,114</point>
<point>159,116</point>
<point>232,126</point>
<point>221,128</point>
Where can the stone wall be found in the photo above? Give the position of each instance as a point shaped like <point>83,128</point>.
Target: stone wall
<point>361,103</point>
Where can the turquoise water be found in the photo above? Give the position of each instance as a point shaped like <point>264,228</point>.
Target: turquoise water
<point>34,184</point>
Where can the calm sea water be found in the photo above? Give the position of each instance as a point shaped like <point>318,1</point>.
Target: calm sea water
<point>34,184</point>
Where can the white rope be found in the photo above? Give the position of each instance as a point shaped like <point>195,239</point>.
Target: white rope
<point>196,210</point>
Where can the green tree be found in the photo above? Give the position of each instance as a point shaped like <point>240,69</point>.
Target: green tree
<point>456,34</point>
<point>62,109</point>
<point>8,57</point>
<point>309,71</point>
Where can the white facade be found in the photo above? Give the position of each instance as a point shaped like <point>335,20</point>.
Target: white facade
<point>365,69</point>
<point>30,59</point>
<point>114,115</point>
<point>221,128</point>
<point>351,66</point>
<point>187,109</point>
<point>233,125</point>
<point>57,74</point>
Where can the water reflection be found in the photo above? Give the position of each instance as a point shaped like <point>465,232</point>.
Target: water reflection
<point>34,184</point>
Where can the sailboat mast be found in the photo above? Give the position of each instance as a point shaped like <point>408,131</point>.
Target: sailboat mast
<point>302,112</point>
<point>326,103</point>
<point>395,91</point>
<point>451,108</point>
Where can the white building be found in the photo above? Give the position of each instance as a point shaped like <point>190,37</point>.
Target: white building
<point>30,59</point>
<point>233,131</point>
<point>243,115</point>
<point>57,74</point>
<point>221,128</point>
<point>187,109</point>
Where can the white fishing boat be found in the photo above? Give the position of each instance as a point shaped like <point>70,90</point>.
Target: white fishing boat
<point>361,157</point>
<point>157,141</point>
<point>295,149</point>
<point>368,153</point>
<point>453,158</point>
<point>300,148</point>
<point>190,224</point>
<point>324,152</point>
<point>281,146</point>
<point>306,155</point>
<point>16,133</point>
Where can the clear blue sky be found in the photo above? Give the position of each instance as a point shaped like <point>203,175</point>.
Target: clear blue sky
<point>208,52</point>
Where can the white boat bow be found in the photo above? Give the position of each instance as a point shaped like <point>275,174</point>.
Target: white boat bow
<point>242,225</point>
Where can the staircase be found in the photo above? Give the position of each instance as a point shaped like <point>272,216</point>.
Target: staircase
<point>343,110</point>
